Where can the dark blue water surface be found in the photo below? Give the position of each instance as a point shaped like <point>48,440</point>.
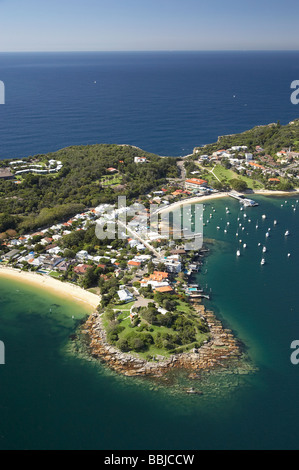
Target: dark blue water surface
<point>163,102</point>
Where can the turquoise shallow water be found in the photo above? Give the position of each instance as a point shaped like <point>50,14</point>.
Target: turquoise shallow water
<point>50,399</point>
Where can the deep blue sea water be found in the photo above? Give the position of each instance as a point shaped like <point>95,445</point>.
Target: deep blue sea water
<point>163,102</point>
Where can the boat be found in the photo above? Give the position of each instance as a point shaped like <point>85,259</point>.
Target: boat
<point>267,234</point>
<point>238,253</point>
<point>192,391</point>
<point>275,222</point>
<point>263,261</point>
<point>287,233</point>
<point>289,254</point>
<point>244,245</point>
<point>264,216</point>
<point>264,249</point>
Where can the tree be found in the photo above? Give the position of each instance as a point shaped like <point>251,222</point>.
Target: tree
<point>238,185</point>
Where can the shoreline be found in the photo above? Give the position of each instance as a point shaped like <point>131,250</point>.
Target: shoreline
<point>210,197</point>
<point>61,289</point>
<point>222,352</point>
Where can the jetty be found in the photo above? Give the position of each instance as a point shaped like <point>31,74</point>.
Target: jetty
<point>242,199</point>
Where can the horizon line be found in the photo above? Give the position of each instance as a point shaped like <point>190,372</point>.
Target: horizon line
<point>146,50</point>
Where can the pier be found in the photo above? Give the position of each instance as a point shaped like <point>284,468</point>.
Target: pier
<point>241,198</point>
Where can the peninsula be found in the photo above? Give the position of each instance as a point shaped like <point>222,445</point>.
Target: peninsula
<point>147,314</point>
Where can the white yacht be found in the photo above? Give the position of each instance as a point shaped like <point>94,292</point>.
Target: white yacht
<point>263,261</point>
<point>287,233</point>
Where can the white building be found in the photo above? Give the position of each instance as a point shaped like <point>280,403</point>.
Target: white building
<point>125,295</point>
<point>140,160</point>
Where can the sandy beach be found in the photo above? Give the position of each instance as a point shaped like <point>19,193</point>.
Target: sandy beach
<point>62,289</point>
<point>199,199</point>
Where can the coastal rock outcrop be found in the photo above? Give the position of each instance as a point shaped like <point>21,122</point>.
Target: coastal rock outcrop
<point>221,351</point>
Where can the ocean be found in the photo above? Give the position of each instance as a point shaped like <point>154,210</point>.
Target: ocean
<point>51,398</point>
<point>164,102</point>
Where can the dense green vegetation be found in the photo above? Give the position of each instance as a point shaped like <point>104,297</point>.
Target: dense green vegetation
<point>150,332</point>
<point>82,182</point>
<point>271,138</point>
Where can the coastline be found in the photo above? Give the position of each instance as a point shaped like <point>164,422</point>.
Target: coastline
<point>210,197</point>
<point>59,288</point>
<point>222,352</point>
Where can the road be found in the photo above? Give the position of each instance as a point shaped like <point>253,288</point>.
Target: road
<point>141,240</point>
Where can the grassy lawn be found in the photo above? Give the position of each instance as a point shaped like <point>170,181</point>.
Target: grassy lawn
<point>123,307</point>
<point>225,175</point>
<point>182,308</point>
<point>111,180</point>
<point>54,274</point>
<point>228,174</point>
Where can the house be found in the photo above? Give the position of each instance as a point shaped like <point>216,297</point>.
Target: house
<point>282,153</point>
<point>274,180</point>
<point>158,276</point>
<point>6,174</point>
<point>140,160</point>
<point>239,147</point>
<point>195,183</point>
<point>112,170</point>
<point>125,295</point>
<point>11,255</point>
<point>256,165</point>
<point>63,266</point>
<point>102,266</point>
<point>81,268</point>
<point>164,290</point>
<point>134,264</point>
<point>81,255</point>
<point>173,264</point>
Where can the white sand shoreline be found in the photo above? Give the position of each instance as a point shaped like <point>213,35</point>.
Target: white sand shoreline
<point>59,288</point>
<point>198,199</point>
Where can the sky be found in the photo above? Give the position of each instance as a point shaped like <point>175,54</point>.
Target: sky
<point>135,25</point>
